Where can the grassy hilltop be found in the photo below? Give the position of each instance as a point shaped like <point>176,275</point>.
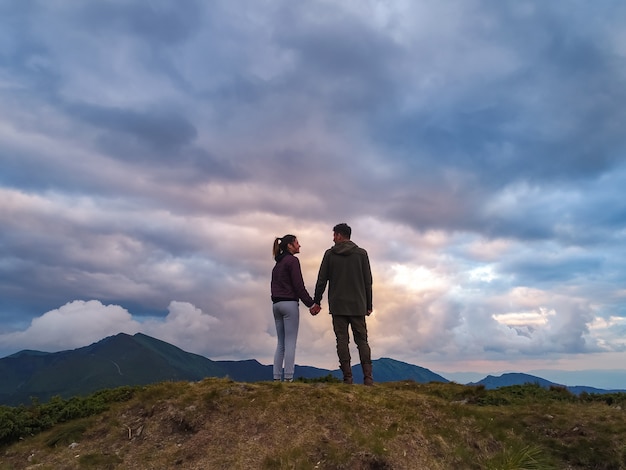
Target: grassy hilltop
<point>221,424</point>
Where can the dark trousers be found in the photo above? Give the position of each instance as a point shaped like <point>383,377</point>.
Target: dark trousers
<point>359,333</point>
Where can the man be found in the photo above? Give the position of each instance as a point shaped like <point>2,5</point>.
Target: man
<point>346,269</point>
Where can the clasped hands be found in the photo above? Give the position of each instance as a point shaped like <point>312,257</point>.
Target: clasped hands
<point>315,309</point>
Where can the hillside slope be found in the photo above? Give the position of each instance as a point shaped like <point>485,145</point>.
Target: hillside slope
<point>221,424</point>
<point>112,362</point>
<point>139,360</point>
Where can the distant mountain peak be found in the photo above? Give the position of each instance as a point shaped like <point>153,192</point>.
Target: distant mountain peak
<point>28,352</point>
<point>513,378</point>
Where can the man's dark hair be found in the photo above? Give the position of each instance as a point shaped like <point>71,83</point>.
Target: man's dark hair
<point>343,229</point>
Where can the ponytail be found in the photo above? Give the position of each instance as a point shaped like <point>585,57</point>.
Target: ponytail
<point>280,245</point>
<point>276,247</point>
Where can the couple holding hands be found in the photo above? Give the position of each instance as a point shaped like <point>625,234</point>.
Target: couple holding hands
<point>346,269</point>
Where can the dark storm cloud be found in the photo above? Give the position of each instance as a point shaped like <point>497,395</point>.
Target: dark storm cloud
<point>151,151</point>
<point>341,60</point>
<point>21,50</point>
<point>551,269</point>
<point>158,23</point>
<point>163,133</point>
<point>554,117</point>
<point>163,139</point>
<point>551,117</point>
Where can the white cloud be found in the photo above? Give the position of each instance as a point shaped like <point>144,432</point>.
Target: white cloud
<point>80,323</point>
<point>186,326</point>
<point>75,324</point>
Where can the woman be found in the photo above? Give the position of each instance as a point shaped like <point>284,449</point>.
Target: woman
<point>287,287</point>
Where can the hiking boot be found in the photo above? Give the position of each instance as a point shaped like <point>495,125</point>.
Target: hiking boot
<point>347,372</point>
<point>368,378</point>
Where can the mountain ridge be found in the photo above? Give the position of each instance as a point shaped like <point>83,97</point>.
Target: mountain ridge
<point>517,378</point>
<point>140,359</point>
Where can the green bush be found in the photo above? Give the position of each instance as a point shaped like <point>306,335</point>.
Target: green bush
<point>17,422</point>
<point>326,379</point>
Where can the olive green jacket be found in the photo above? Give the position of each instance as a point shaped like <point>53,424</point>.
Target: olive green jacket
<point>346,269</point>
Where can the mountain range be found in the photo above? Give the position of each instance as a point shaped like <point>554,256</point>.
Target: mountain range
<point>123,359</point>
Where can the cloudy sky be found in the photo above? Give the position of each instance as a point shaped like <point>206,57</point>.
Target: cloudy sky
<point>151,151</point>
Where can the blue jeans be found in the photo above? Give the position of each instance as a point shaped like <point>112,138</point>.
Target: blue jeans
<point>287,318</point>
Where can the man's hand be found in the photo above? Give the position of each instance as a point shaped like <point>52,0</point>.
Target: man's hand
<point>315,309</point>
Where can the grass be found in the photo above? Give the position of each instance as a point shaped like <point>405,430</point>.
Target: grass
<point>525,458</point>
<point>221,424</point>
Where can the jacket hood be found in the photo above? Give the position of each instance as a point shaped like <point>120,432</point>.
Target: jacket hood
<point>344,248</point>
<point>282,255</point>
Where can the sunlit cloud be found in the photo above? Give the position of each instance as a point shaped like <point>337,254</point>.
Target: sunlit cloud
<point>416,278</point>
<point>531,319</point>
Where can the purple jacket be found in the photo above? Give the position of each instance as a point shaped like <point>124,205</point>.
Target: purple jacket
<point>287,282</point>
